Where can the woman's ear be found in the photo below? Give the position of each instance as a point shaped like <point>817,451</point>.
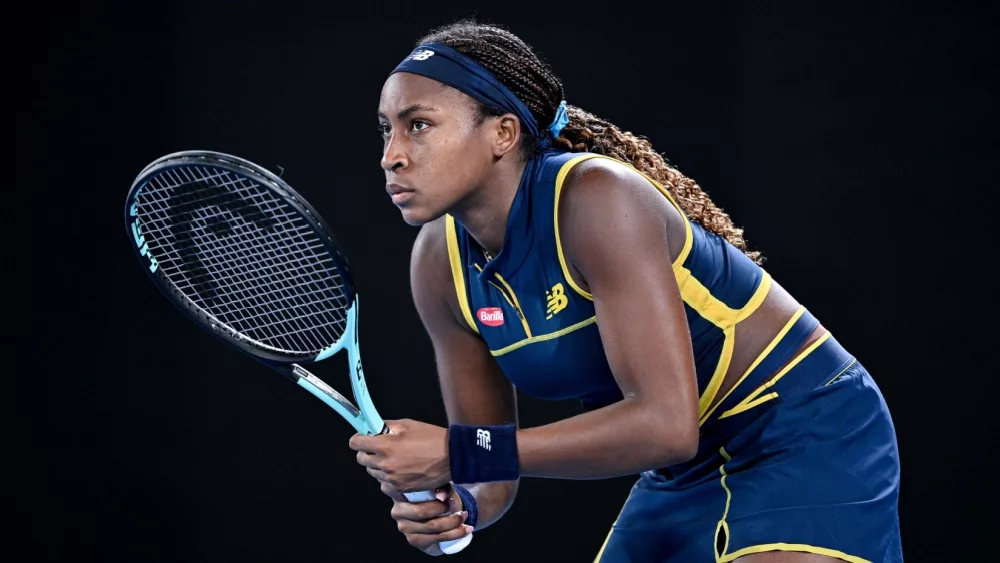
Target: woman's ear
<point>508,134</point>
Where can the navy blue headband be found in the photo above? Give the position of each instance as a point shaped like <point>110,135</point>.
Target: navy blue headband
<point>448,66</point>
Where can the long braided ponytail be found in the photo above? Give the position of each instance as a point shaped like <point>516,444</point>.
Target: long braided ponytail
<point>514,63</point>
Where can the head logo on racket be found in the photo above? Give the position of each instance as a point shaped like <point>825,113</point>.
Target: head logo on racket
<point>249,260</point>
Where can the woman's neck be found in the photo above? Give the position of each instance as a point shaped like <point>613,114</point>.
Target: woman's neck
<point>485,211</point>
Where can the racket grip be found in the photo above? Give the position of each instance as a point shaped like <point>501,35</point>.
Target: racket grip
<point>449,547</point>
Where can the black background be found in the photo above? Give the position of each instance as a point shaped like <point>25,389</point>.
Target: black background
<point>854,144</point>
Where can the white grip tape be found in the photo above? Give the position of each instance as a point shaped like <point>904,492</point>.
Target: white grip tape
<point>448,547</point>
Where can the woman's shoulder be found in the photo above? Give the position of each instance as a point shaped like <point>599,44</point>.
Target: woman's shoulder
<point>583,172</point>
<point>430,248</point>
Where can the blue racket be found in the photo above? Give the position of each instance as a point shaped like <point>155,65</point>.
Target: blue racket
<point>250,261</point>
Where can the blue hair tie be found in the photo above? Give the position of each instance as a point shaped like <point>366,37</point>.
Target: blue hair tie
<point>548,138</point>
<point>561,120</point>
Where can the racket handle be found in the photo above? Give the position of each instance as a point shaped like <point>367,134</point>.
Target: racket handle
<point>449,547</point>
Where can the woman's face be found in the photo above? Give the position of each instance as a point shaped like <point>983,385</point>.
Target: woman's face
<point>434,154</point>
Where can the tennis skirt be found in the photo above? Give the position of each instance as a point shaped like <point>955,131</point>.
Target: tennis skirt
<point>814,470</point>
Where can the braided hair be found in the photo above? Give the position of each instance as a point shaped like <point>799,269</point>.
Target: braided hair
<point>514,63</point>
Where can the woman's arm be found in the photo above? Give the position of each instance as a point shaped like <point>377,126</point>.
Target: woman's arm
<point>613,227</point>
<point>474,389</point>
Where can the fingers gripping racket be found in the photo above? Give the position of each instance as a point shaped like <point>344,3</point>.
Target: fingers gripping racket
<point>252,262</point>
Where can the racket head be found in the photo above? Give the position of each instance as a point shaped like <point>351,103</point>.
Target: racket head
<point>243,255</point>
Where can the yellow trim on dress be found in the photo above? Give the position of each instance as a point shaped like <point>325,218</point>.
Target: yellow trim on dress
<point>517,306</point>
<point>841,372</point>
<point>798,547</point>
<point>774,342</point>
<point>543,337</point>
<point>699,298</point>
<point>754,399</point>
<point>612,530</point>
<point>504,293</point>
<point>561,178</point>
<point>457,273</point>
<point>722,525</point>
<point>693,292</point>
<point>725,557</point>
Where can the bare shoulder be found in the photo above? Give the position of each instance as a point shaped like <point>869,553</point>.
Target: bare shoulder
<point>431,279</point>
<point>601,168</point>
<point>612,217</point>
<point>608,193</point>
<point>600,185</point>
<point>429,259</point>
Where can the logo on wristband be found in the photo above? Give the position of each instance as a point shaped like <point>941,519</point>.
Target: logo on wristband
<point>483,438</point>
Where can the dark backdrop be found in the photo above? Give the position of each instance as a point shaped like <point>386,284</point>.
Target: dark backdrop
<point>854,144</point>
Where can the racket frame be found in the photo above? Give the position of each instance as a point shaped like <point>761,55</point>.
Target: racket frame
<point>280,188</point>
<point>363,417</point>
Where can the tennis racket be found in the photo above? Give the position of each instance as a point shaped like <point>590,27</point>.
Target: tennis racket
<point>250,261</point>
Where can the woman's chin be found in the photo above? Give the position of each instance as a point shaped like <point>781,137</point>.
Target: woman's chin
<point>416,216</point>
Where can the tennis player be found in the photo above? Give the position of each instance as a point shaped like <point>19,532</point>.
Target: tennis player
<point>564,257</point>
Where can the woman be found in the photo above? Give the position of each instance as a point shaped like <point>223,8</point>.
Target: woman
<point>572,261</point>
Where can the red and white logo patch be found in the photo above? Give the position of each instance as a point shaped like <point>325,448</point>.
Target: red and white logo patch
<point>490,316</point>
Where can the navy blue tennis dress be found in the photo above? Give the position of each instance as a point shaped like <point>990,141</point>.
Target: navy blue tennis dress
<point>806,462</point>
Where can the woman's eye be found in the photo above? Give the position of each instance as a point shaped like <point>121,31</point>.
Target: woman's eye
<point>384,129</point>
<point>419,125</point>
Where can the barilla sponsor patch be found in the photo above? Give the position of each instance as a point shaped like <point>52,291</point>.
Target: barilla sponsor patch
<point>490,316</point>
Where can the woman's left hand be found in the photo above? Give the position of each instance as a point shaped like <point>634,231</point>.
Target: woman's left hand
<point>412,457</point>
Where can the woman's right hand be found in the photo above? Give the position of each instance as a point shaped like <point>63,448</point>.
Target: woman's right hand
<point>425,524</point>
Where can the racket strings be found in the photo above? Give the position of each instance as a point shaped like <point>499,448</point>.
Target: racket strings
<point>250,292</point>
<point>302,267</point>
<point>268,312</point>
<point>244,255</point>
<point>236,277</point>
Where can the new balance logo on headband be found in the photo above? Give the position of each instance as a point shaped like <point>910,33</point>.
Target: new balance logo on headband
<point>422,55</point>
<point>483,438</point>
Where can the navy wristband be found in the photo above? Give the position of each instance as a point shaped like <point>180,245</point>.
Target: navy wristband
<point>468,504</point>
<point>481,454</point>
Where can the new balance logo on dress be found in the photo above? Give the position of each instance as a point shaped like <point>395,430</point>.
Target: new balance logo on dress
<point>556,300</point>
<point>483,439</point>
